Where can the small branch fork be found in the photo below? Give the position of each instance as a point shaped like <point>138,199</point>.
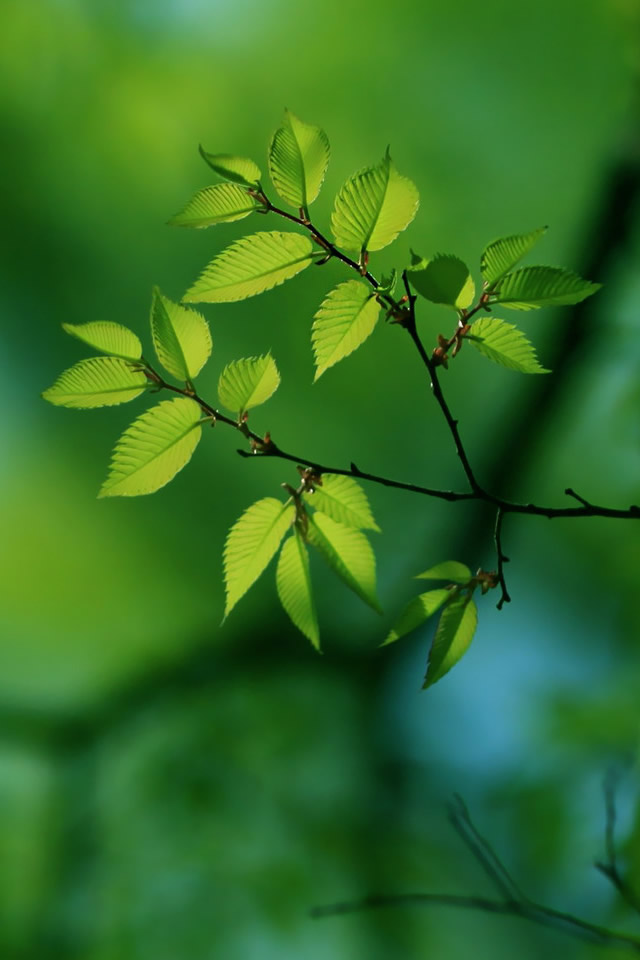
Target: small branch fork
<point>511,901</point>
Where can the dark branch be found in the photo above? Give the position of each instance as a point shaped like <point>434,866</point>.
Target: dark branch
<point>609,867</point>
<point>504,598</point>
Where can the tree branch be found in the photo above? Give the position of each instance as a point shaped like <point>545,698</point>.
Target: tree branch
<point>609,867</point>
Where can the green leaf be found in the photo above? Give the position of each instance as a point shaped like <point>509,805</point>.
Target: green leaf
<point>532,287</point>
<point>248,383</point>
<point>443,279</point>
<point>154,448</point>
<point>97,382</point>
<point>348,553</point>
<point>343,499</point>
<point>293,581</point>
<point>251,266</point>
<point>345,319</point>
<point>502,255</point>
<point>452,639</point>
<point>416,612</point>
<point>388,283</point>
<point>504,344</point>
<point>373,206</point>
<point>251,543</point>
<point>108,337</point>
<point>449,570</point>
<point>180,336</point>
<point>298,159</point>
<point>222,203</point>
<point>238,169</point>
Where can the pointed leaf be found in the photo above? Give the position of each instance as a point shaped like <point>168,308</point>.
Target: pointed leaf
<point>348,553</point>
<point>97,382</point>
<point>108,337</point>
<point>345,319</point>
<point>154,448</point>
<point>180,336</point>
<point>373,206</point>
<point>251,543</point>
<point>504,344</point>
<point>502,255</point>
<point>298,159</point>
<point>238,169</point>
<point>222,203</point>
<point>532,287</point>
<point>293,581</point>
<point>251,266</point>
<point>452,639</point>
<point>247,383</point>
<point>388,284</point>
<point>416,612</point>
<point>449,570</point>
<point>443,279</point>
<point>344,500</point>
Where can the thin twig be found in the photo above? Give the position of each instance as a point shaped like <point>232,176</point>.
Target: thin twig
<point>502,559</point>
<point>482,850</point>
<point>609,868</point>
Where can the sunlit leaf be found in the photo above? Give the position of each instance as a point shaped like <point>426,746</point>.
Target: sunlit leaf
<point>238,169</point>
<point>502,255</point>
<point>388,283</point>
<point>180,336</point>
<point>293,581</point>
<point>247,383</point>
<point>251,543</point>
<point>97,382</point>
<point>443,279</point>
<point>373,206</point>
<point>343,499</point>
<point>531,287</point>
<point>154,448</point>
<point>345,319</point>
<point>416,613</point>
<point>108,337</point>
<point>452,638</point>
<point>504,344</point>
<point>298,159</point>
<point>251,266</point>
<point>348,553</point>
<point>221,203</point>
<point>449,570</point>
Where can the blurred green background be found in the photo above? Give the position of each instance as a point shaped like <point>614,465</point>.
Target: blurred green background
<point>170,788</point>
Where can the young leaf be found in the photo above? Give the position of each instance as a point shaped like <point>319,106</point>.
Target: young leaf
<point>108,337</point>
<point>416,612</point>
<point>298,159</point>
<point>345,319</point>
<point>237,169</point>
<point>248,383</point>
<point>443,279</point>
<point>502,255</point>
<point>251,266</point>
<point>504,344</point>
<point>348,553</point>
<point>388,284</point>
<point>344,500</point>
<point>222,203</point>
<point>449,570</point>
<point>97,382</point>
<point>373,207</point>
<point>180,336</point>
<point>293,581</point>
<point>533,287</point>
<point>251,543</point>
<point>452,639</point>
<point>154,448</point>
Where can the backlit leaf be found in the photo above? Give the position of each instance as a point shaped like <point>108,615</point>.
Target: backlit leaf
<point>449,570</point>
<point>298,159</point>
<point>247,383</point>
<point>251,266</point>
<point>180,336</point>
<point>532,287</point>
<point>502,255</point>
<point>504,344</point>
<point>251,543</point>
<point>343,499</point>
<point>373,206</point>
<point>348,553</point>
<point>154,448</point>
<point>443,279</point>
<point>238,169</point>
<point>97,382</point>
<point>416,612</point>
<point>108,337</point>
<point>452,638</point>
<point>345,319</point>
<point>221,203</point>
<point>293,581</point>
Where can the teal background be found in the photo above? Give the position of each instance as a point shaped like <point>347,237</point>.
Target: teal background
<point>173,788</point>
